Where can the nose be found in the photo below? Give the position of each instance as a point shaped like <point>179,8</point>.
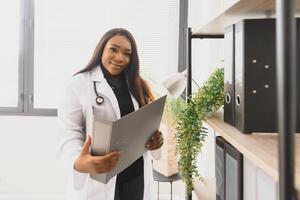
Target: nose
<point>120,58</point>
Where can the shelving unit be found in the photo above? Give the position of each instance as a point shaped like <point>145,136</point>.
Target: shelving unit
<point>242,9</point>
<point>282,170</point>
<point>260,148</point>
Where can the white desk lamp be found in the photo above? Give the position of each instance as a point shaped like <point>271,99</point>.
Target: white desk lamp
<point>173,86</point>
<point>176,83</point>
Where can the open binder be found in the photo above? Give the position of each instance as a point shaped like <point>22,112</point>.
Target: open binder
<point>127,135</point>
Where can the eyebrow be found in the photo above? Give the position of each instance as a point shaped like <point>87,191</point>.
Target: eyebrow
<point>120,47</point>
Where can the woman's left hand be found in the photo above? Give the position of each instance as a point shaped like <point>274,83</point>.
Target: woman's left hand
<point>156,141</point>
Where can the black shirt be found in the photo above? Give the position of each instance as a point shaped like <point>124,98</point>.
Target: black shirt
<point>119,85</point>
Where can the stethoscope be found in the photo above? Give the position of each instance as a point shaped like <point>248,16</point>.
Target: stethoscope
<point>99,98</point>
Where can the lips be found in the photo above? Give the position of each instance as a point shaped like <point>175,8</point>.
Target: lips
<point>117,65</point>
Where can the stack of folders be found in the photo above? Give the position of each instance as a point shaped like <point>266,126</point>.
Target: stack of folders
<point>250,86</point>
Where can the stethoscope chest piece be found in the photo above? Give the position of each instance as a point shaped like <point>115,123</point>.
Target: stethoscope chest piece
<point>99,100</point>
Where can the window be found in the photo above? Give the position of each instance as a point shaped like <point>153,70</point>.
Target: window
<point>9,55</point>
<point>62,35</point>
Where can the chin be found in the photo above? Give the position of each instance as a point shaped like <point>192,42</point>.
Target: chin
<point>115,72</point>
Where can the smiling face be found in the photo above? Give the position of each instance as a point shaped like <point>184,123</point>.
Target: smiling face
<point>116,54</point>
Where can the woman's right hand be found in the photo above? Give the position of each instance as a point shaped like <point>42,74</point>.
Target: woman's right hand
<point>86,163</point>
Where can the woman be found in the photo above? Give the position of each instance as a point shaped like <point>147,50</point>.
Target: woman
<point>109,87</point>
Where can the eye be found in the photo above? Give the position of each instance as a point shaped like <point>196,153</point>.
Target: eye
<point>113,49</point>
<point>128,55</point>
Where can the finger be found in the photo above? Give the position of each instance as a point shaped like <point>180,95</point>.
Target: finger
<point>111,155</point>
<point>151,146</point>
<point>114,162</point>
<point>157,133</point>
<point>160,141</point>
<point>155,136</point>
<point>155,139</point>
<point>106,158</point>
<point>110,168</point>
<point>151,143</point>
<point>160,144</point>
<point>106,166</point>
<point>86,145</point>
<point>155,144</point>
<point>103,168</point>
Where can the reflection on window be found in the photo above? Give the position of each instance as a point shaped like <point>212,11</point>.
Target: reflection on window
<point>9,53</point>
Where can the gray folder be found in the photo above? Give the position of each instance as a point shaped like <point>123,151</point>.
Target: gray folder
<point>127,135</point>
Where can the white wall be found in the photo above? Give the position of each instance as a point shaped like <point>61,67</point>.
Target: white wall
<point>207,55</point>
<point>28,158</point>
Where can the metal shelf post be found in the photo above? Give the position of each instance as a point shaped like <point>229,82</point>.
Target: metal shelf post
<point>286,90</point>
<point>189,72</point>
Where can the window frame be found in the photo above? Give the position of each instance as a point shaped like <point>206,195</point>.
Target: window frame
<point>26,67</point>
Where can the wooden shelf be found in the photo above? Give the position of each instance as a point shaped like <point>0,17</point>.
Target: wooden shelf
<point>259,148</point>
<point>240,10</point>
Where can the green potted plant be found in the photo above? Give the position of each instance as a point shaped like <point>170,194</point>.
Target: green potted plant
<point>191,134</point>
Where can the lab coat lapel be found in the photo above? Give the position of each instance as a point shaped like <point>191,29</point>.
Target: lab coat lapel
<point>104,89</point>
<point>135,103</point>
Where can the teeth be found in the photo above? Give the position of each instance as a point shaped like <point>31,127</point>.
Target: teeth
<point>116,64</point>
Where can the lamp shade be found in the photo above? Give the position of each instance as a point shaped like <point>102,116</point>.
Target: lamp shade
<point>175,83</point>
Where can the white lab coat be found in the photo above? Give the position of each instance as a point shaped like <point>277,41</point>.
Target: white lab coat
<point>76,109</point>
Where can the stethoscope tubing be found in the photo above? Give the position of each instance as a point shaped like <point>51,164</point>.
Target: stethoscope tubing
<point>99,98</point>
